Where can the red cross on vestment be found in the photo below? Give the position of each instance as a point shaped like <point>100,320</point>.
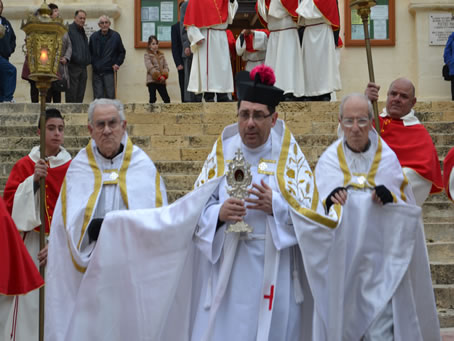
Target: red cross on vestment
<point>270,297</point>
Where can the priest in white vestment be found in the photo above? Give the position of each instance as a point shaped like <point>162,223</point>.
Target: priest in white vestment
<point>252,285</point>
<point>373,280</point>
<point>320,56</point>
<point>109,174</point>
<point>211,70</point>
<point>283,52</point>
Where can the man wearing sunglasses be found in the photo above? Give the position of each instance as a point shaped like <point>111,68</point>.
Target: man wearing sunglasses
<point>374,282</point>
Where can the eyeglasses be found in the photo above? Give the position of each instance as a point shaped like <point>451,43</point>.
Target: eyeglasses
<point>112,124</point>
<point>104,22</point>
<point>361,121</point>
<point>244,116</point>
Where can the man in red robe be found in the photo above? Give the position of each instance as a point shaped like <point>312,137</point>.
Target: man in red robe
<point>22,198</point>
<point>408,138</point>
<point>206,22</point>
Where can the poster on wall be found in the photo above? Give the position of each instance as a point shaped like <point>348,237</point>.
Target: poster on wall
<point>441,25</point>
<point>167,11</point>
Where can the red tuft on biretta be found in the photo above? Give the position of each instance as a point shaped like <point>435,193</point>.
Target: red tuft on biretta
<point>266,74</point>
<point>258,86</point>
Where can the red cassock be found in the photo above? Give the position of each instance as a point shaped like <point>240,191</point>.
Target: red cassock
<point>422,158</point>
<point>448,164</point>
<point>18,272</point>
<point>206,13</point>
<point>22,170</point>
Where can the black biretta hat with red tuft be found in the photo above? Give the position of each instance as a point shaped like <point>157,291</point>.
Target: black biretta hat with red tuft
<point>258,86</point>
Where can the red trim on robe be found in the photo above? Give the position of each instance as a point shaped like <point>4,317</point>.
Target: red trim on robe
<point>206,13</point>
<point>290,6</point>
<point>18,272</point>
<point>448,164</point>
<point>249,39</point>
<point>262,21</point>
<point>414,149</point>
<point>21,171</point>
<point>330,10</point>
<point>231,40</point>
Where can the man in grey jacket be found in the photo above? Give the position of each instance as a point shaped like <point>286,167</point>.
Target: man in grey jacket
<point>79,60</point>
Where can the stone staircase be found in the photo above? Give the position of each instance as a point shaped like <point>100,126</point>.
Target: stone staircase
<point>178,138</point>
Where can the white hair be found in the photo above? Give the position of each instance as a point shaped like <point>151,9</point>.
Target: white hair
<point>106,101</point>
<point>359,96</point>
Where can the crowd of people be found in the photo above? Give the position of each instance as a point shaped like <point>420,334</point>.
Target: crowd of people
<point>337,253</point>
<point>203,49</point>
<point>118,252</point>
<point>105,52</point>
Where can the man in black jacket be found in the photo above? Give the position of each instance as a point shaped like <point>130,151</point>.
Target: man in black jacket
<point>177,53</point>
<point>107,54</point>
<point>7,70</point>
<point>80,58</point>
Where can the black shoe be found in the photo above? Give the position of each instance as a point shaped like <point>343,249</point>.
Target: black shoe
<point>222,97</point>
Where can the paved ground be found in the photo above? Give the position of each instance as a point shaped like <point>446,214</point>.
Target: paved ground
<point>447,334</point>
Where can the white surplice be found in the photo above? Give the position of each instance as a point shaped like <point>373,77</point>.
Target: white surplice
<point>252,287</point>
<point>211,69</point>
<point>376,258</point>
<point>320,61</point>
<point>253,59</point>
<point>93,186</point>
<point>283,53</point>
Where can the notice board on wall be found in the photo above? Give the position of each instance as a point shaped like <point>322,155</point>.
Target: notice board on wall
<point>154,17</point>
<point>381,25</point>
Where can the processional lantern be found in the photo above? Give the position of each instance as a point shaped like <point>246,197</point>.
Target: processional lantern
<point>43,43</point>
<point>363,9</point>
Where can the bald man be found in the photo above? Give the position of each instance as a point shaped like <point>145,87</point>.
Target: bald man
<point>408,138</point>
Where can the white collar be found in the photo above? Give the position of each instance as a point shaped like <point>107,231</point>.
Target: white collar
<point>409,120</point>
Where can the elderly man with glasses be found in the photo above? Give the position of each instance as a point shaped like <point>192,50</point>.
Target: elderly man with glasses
<point>372,281</point>
<point>107,55</point>
<point>109,174</point>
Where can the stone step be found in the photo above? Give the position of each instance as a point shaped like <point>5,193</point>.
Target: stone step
<point>179,167</point>
<point>25,144</point>
<point>439,211</point>
<point>439,232</point>
<point>179,182</point>
<point>442,273</point>
<point>444,295</point>
<point>442,252</point>
<point>446,317</point>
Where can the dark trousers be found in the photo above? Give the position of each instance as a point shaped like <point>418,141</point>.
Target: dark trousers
<point>53,93</point>
<point>181,82</point>
<point>103,85</point>
<point>152,87</point>
<point>7,80</point>
<point>77,83</point>
<point>188,95</point>
<point>452,88</point>
<point>220,96</point>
